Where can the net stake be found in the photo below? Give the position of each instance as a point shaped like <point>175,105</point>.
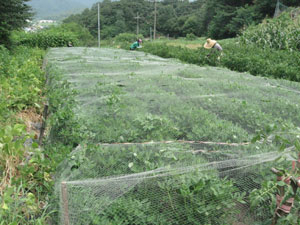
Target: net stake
<point>65,203</point>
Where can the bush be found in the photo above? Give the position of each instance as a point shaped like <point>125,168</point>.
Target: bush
<point>46,39</point>
<point>55,36</point>
<point>191,37</point>
<point>238,57</point>
<point>127,37</point>
<point>21,79</point>
<point>82,34</point>
<point>280,33</point>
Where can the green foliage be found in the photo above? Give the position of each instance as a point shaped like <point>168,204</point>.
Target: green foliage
<point>127,37</point>
<point>21,79</point>
<point>26,182</point>
<point>55,36</point>
<point>191,37</point>
<point>259,197</point>
<point>23,179</point>
<point>181,203</point>
<point>47,38</point>
<point>62,119</point>
<point>13,15</point>
<point>18,206</point>
<point>280,33</point>
<point>129,211</point>
<point>81,34</point>
<point>237,57</point>
<point>150,126</point>
<point>127,102</point>
<point>214,18</point>
<point>25,171</point>
<point>286,136</point>
<point>11,150</point>
<point>184,198</point>
<point>267,194</point>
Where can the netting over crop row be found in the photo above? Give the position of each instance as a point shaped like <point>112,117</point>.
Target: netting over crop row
<point>131,96</point>
<point>191,173</point>
<point>172,183</point>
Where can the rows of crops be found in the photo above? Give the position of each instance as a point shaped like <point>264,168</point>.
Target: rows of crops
<point>134,97</point>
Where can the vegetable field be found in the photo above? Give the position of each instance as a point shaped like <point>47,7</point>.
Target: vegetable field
<point>163,142</point>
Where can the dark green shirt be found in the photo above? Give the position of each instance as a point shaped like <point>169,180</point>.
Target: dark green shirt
<point>135,45</point>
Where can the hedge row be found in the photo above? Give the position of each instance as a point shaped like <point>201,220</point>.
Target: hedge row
<point>238,57</point>
<point>48,39</point>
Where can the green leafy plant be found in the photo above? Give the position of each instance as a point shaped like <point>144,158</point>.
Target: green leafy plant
<point>47,38</point>
<point>238,57</point>
<point>23,179</point>
<point>65,127</point>
<point>282,195</point>
<point>19,206</point>
<point>127,37</point>
<point>12,151</point>
<point>21,79</point>
<point>181,198</point>
<point>191,37</point>
<point>153,126</point>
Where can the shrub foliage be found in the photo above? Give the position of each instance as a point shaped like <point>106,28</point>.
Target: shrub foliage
<point>280,33</point>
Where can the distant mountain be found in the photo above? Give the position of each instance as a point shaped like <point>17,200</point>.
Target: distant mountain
<point>58,9</point>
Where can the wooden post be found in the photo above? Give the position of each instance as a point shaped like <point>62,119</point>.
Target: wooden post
<point>154,30</point>
<point>64,194</point>
<point>137,24</point>
<point>45,112</point>
<point>42,131</point>
<point>99,39</point>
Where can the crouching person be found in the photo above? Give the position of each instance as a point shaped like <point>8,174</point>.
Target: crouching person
<point>214,45</point>
<point>136,44</point>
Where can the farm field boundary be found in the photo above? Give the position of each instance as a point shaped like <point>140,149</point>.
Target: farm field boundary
<point>123,100</point>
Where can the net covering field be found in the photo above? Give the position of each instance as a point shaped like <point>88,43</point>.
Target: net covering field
<point>166,142</point>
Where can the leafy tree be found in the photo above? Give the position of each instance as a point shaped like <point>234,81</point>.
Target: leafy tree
<point>190,26</point>
<point>167,20</point>
<point>215,18</point>
<point>13,15</point>
<point>120,23</point>
<point>244,17</point>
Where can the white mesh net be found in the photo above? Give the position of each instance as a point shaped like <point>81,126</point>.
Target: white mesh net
<point>172,183</point>
<point>196,165</point>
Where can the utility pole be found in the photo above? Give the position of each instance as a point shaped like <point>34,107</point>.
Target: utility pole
<point>154,30</point>
<point>137,24</point>
<point>98,24</point>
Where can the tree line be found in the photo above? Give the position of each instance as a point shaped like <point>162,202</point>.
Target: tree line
<point>177,18</point>
<point>13,15</point>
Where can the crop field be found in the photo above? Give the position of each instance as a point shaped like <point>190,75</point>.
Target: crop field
<point>191,44</point>
<point>166,142</point>
<point>131,96</point>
